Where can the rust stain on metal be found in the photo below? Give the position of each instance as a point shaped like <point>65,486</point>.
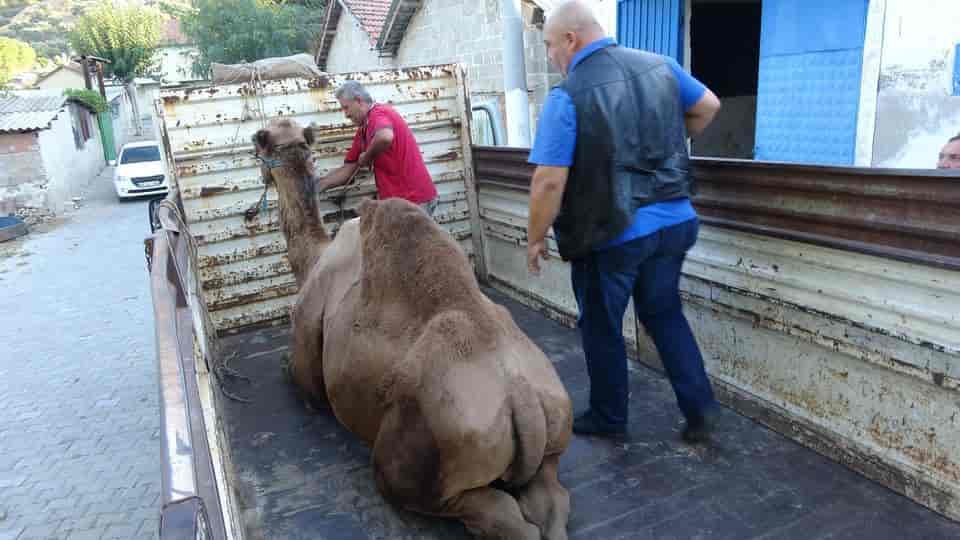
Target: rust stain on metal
<point>209,191</point>
<point>246,276</point>
<point>931,456</point>
<point>901,215</point>
<point>446,156</point>
<point>319,83</point>
<point>287,289</point>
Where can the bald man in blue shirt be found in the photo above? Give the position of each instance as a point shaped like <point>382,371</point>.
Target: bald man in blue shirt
<point>613,179</point>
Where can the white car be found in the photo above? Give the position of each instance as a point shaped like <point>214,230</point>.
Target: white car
<point>140,171</point>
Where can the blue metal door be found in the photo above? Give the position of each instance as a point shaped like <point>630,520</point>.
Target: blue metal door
<point>652,25</point>
<point>811,59</point>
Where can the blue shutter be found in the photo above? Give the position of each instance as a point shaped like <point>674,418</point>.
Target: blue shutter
<point>811,60</point>
<point>956,72</point>
<point>652,25</point>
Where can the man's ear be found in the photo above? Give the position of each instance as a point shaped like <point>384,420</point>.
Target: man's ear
<point>261,139</point>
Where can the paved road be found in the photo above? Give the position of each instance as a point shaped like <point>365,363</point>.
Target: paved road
<point>79,440</point>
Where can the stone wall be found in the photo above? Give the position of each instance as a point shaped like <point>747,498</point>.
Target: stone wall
<point>23,178</point>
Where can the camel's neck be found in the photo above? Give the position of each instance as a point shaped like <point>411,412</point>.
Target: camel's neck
<point>300,223</point>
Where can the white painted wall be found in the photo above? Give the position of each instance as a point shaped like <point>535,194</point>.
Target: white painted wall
<point>916,112</point>
<point>176,63</point>
<point>352,50</point>
<point>63,78</point>
<point>68,168</point>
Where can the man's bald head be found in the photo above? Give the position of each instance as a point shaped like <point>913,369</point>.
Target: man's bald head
<point>570,27</point>
<point>573,16</point>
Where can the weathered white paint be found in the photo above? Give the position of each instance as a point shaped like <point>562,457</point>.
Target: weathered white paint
<point>246,278</point>
<point>862,349</point>
<point>62,78</point>
<point>175,63</point>
<point>69,169</point>
<point>870,83</point>
<point>916,112</point>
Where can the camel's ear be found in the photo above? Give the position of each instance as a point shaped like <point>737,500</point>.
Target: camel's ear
<point>308,135</point>
<point>262,140</point>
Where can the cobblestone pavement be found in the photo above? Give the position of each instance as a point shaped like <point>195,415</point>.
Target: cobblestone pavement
<point>79,439</point>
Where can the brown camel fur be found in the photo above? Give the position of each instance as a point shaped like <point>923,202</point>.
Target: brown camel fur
<point>390,328</point>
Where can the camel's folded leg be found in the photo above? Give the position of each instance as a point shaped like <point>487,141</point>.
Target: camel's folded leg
<point>545,502</point>
<point>407,467</point>
<point>489,513</point>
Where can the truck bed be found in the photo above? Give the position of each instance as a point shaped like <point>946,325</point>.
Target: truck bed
<point>300,475</point>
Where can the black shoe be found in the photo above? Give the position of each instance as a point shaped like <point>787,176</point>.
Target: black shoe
<point>698,430</point>
<point>586,424</point>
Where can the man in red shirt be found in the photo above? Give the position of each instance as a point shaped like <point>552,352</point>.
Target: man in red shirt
<point>384,140</point>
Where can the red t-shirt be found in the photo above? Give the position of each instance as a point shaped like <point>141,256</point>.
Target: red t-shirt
<point>399,170</point>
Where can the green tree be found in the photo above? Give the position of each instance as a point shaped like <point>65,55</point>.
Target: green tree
<point>15,56</point>
<point>235,31</point>
<point>126,34</point>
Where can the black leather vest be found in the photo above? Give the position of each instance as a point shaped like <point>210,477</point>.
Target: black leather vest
<point>631,146</point>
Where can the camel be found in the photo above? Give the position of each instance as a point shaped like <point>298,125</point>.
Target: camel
<point>465,415</point>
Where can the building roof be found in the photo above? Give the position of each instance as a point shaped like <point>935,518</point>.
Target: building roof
<point>69,66</point>
<point>384,22</point>
<point>29,110</point>
<point>372,14</point>
<point>173,34</point>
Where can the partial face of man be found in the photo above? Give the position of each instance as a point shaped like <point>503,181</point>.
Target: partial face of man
<point>950,156</point>
<point>560,47</point>
<point>354,109</point>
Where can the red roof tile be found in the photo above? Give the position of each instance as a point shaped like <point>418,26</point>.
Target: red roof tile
<point>372,15</point>
<point>173,34</point>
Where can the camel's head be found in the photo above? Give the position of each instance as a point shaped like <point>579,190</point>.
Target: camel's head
<point>285,143</point>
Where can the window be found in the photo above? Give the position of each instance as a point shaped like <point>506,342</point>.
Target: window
<point>140,154</point>
<point>485,130</point>
<point>80,122</point>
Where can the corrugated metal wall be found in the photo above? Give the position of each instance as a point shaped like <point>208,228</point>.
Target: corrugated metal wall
<point>243,266</point>
<point>824,301</point>
<point>652,25</point>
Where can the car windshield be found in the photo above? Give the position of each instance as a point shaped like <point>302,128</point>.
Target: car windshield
<point>140,154</point>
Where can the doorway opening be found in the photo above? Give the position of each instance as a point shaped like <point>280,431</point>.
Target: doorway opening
<point>725,56</point>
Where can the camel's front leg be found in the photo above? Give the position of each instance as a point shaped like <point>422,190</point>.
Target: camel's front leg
<point>305,363</point>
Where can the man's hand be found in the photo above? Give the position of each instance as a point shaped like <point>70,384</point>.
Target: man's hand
<point>364,159</point>
<point>535,252</point>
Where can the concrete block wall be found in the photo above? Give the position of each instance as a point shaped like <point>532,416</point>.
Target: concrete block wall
<point>23,178</point>
<point>450,31</point>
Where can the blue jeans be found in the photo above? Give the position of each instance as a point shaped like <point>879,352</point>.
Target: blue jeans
<point>647,268</point>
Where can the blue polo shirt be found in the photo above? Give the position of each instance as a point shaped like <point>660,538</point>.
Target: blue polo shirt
<point>556,141</point>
